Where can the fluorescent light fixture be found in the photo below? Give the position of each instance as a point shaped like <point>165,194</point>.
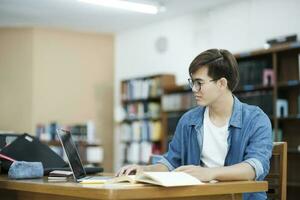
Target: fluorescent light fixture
<point>126,5</point>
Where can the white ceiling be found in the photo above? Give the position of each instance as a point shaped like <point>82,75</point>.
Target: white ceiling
<point>71,14</point>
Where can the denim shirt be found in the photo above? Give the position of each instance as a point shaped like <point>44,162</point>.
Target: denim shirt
<point>249,140</point>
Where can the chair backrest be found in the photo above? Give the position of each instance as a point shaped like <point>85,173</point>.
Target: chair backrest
<point>278,172</point>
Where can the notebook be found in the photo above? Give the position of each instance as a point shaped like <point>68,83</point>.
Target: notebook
<point>74,160</point>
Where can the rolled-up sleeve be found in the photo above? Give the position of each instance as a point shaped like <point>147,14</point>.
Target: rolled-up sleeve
<point>259,150</point>
<point>256,165</point>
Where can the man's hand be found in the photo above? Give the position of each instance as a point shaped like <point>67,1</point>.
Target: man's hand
<point>201,173</point>
<point>130,170</point>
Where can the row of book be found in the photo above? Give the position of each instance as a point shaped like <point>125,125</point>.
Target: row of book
<point>263,99</point>
<point>80,132</point>
<point>141,131</point>
<point>142,110</point>
<point>179,101</point>
<point>141,88</point>
<point>260,72</point>
<point>252,71</point>
<point>139,152</point>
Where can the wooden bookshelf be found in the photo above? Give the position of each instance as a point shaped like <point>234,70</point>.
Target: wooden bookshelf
<point>284,62</point>
<point>141,132</point>
<point>253,88</point>
<point>152,99</point>
<point>128,120</point>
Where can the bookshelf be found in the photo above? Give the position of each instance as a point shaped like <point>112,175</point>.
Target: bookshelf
<point>141,128</point>
<point>270,78</point>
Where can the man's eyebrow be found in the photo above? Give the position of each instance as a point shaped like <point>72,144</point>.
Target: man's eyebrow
<point>198,79</point>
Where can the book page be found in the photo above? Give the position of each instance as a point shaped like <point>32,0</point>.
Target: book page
<point>168,179</point>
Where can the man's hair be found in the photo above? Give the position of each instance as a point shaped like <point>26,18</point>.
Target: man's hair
<point>220,63</point>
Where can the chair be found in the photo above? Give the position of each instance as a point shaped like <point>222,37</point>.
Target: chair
<point>278,172</point>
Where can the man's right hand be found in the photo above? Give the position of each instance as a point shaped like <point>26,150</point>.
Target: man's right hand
<point>130,170</point>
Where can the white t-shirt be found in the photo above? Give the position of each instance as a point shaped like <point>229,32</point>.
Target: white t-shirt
<point>215,144</point>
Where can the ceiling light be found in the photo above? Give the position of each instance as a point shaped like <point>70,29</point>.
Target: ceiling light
<point>126,5</point>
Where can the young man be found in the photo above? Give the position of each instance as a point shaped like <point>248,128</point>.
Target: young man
<point>222,138</point>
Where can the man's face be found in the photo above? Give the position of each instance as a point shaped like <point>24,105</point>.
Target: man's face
<point>209,90</point>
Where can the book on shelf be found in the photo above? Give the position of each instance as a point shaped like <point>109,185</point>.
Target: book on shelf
<point>166,179</point>
<point>156,131</point>
<point>268,77</point>
<point>251,71</point>
<point>145,151</point>
<point>142,110</point>
<point>178,101</point>
<point>133,154</point>
<point>141,88</point>
<point>263,99</point>
<point>126,135</point>
<point>141,131</point>
<point>80,132</point>
<point>156,149</point>
<point>136,131</point>
<point>282,107</point>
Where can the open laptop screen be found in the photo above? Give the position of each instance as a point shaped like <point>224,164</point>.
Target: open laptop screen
<point>72,154</point>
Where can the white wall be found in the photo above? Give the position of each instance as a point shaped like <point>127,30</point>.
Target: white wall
<point>238,26</point>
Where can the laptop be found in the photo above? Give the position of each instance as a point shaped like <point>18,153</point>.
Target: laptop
<point>74,160</point>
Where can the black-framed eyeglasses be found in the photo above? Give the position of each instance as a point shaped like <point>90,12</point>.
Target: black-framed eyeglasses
<point>196,84</point>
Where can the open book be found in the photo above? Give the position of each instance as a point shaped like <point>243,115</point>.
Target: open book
<point>166,179</point>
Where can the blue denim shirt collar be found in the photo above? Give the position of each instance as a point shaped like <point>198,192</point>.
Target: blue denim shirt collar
<point>235,119</point>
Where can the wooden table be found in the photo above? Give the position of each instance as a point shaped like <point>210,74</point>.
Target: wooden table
<point>40,189</point>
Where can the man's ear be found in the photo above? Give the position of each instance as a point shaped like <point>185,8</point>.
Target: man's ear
<point>223,83</point>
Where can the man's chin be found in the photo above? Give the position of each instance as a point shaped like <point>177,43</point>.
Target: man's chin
<point>201,103</point>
